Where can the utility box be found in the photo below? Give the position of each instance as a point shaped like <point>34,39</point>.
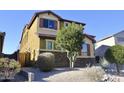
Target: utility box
<point>30,76</point>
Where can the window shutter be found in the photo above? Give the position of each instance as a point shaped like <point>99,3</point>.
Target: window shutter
<point>55,26</point>
<point>41,22</point>
<point>88,49</point>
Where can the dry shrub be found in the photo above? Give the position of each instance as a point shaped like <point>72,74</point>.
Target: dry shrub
<point>8,68</point>
<point>94,73</point>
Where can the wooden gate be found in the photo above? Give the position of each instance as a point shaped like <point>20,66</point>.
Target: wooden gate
<point>23,58</point>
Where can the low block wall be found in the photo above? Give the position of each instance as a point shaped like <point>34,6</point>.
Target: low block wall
<point>61,60</point>
<point>83,62</point>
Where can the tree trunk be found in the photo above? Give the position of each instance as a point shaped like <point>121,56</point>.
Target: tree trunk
<point>72,58</point>
<point>118,70</point>
<point>72,64</point>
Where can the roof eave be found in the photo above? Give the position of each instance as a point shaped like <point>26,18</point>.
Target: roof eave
<point>104,39</point>
<point>73,21</point>
<point>88,36</point>
<point>48,11</point>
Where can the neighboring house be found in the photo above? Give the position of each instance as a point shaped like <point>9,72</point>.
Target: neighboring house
<point>2,35</point>
<point>39,36</point>
<point>11,56</point>
<point>102,45</point>
<point>14,55</point>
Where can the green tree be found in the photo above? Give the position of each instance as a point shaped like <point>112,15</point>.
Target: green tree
<point>70,39</point>
<point>115,54</point>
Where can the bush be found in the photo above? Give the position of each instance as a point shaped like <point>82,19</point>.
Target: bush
<point>8,68</point>
<point>104,63</point>
<point>94,73</point>
<point>115,54</point>
<point>46,62</point>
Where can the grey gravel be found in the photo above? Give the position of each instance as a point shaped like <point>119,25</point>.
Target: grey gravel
<point>59,75</point>
<point>65,75</point>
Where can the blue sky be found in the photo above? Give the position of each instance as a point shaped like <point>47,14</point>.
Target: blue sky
<point>99,23</point>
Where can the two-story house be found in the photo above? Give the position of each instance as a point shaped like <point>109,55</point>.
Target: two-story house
<point>39,36</point>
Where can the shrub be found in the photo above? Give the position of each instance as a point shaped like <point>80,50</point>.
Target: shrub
<point>115,54</point>
<point>104,63</point>
<point>94,73</point>
<point>46,61</point>
<point>8,68</point>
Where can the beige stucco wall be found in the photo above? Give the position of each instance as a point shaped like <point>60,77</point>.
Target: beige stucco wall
<point>42,43</point>
<point>24,43</point>
<point>91,46</point>
<point>34,41</point>
<point>32,45</point>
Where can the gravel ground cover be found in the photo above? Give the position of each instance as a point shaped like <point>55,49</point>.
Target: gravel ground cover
<point>59,75</point>
<point>66,75</point>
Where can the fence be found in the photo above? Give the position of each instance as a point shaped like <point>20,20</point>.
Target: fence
<point>61,60</point>
<point>23,58</point>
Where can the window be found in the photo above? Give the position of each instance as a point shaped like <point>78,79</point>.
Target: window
<point>47,23</point>
<point>49,44</point>
<point>51,24</point>
<point>85,49</point>
<point>66,24</point>
<point>120,39</point>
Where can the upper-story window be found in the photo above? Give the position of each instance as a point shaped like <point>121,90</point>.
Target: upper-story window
<point>66,24</point>
<point>47,23</point>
